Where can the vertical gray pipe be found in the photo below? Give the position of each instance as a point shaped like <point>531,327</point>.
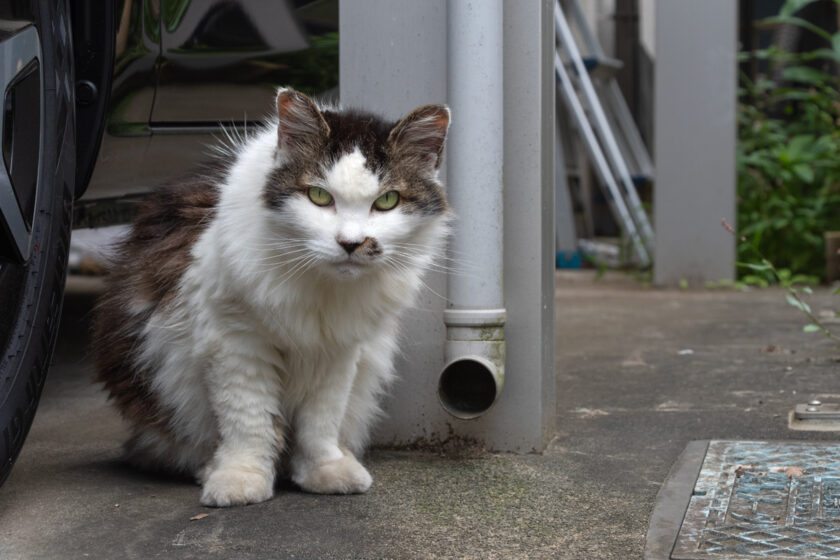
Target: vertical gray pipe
<point>475,348</point>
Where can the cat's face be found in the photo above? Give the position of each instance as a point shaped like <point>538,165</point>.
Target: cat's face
<point>353,194</point>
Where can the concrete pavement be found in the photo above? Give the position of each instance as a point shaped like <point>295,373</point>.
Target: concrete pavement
<point>640,373</point>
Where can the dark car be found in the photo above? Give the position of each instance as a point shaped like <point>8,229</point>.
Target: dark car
<point>103,99</point>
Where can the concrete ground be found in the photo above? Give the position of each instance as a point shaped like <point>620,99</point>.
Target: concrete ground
<point>639,374</point>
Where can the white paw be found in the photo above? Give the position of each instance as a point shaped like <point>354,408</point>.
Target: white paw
<point>340,476</point>
<point>236,486</point>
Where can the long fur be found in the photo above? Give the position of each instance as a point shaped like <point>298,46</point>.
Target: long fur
<point>237,326</point>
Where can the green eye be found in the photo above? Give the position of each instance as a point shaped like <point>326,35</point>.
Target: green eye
<point>387,201</point>
<point>319,196</point>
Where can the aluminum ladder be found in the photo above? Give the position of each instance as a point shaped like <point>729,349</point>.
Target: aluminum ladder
<point>597,127</point>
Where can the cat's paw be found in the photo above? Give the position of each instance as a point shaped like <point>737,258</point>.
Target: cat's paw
<point>340,476</point>
<point>234,486</point>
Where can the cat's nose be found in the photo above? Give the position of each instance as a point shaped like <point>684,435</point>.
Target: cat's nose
<point>349,246</point>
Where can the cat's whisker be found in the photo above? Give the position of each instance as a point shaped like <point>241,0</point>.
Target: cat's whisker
<point>289,263</point>
<point>278,256</point>
<point>306,267</point>
<point>273,253</point>
<point>278,245</point>
<point>298,271</point>
<point>403,267</point>
<point>444,298</point>
<point>426,247</point>
<point>460,260</point>
<point>303,263</point>
<point>438,267</point>
<point>426,264</point>
<point>291,244</point>
<point>283,256</point>
<point>432,267</point>
<point>278,238</point>
<point>453,271</point>
<point>268,247</point>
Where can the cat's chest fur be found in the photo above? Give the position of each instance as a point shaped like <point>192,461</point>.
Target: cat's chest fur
<point>309,313</point>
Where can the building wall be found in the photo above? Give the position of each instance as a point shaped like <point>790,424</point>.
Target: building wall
<point>695,135</point>
<point>393,59</point>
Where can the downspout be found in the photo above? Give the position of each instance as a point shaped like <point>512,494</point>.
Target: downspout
<point>474,372</point>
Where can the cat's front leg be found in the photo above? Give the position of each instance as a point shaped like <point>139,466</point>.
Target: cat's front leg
<point>244,394</point>
<point>319,463</point>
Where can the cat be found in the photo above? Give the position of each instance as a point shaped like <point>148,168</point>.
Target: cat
<point>250,320</point>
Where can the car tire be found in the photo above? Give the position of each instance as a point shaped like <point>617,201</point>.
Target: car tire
<point>32,286</point>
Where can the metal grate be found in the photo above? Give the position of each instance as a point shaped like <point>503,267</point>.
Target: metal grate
<point>764,500</point>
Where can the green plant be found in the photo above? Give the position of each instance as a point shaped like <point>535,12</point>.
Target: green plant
<point>789,156</point>
<point>791,283</point>
<point>794,297</point>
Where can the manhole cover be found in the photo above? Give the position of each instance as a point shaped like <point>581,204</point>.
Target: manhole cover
<point>763,500</point>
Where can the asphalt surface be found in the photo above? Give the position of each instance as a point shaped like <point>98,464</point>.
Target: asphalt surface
<point>640,373</point>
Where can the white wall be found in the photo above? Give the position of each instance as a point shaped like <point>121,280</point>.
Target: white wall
<point>695,135</point>
<point>393,59</point>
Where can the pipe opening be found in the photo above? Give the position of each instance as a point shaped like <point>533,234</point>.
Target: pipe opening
<point>468,387</point>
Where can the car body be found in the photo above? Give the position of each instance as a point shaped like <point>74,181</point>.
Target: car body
<point>189,72</point>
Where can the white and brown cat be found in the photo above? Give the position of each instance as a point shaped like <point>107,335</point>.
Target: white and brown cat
<point>253,310</point>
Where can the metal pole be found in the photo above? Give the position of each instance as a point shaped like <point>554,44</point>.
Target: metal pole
<point>475,315</point>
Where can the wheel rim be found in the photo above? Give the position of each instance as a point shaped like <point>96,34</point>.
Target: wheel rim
<point>20,53</point>
<point>21,88</point>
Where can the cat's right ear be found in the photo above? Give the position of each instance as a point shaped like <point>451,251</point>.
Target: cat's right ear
<point>300,125</point>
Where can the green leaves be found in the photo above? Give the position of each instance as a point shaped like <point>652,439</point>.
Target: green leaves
<point>788,174</point>
<point>804,24</point>
<point>798,303</point>
<point>788,155</point>
<point>804,172</point>
<point>805,75</point>
<point>753,266</point>
<point>790,7</point>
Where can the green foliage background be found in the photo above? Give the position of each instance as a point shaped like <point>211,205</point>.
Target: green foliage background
<point>789,155</point>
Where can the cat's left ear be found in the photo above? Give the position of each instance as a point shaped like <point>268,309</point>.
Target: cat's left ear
<point>421,135</point>
<point>300,125</point>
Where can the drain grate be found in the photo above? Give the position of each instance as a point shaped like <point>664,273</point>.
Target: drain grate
<point>764,500</point>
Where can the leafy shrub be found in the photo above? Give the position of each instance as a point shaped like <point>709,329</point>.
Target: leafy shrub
<point>789,154</point>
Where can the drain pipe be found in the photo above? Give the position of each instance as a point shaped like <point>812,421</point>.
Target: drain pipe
<point>474,372</point>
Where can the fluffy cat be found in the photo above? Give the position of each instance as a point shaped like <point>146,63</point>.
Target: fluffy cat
<point>252,312</point>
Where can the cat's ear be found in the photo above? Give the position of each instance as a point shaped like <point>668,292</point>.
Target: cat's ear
<point>300,125</point>
<point>420,136</point>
